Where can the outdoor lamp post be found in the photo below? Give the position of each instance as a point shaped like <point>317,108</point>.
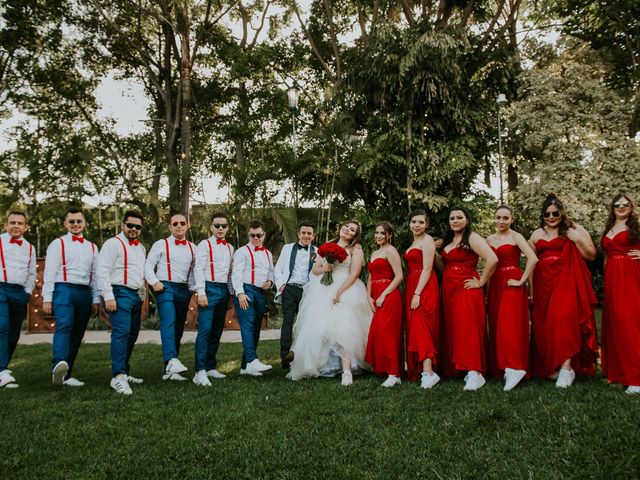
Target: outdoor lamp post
<point>501,101</point>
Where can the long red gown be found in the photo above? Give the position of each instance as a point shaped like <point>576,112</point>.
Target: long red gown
<point>384,346</point>
<point>508,315</point>
<point>465,326</point>
<point>621,312</point>
<point>563,305</point>
<point>423,323</point>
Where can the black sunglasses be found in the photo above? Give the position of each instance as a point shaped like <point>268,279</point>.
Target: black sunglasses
<point>133,225</point>
<point>182,224</point>
<point>555,214</point>
<point>73,222</point>
<point>621,204</point>
<point>256,235</point>
<point>220,225</point>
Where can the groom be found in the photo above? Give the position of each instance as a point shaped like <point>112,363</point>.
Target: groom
<point>292,273</point>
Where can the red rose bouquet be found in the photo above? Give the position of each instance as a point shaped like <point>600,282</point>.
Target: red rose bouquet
<point>332,253</point>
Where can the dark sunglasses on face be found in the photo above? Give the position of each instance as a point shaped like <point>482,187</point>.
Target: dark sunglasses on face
<point>133,225</point>
<point>182,224</point>
<point>256,235</point>
<point>621,204</point>
<point>555,214</point>
<point>73,222</point>
<point>220,225</point>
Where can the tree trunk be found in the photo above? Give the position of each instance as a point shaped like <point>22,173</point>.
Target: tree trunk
<point>184,26</point>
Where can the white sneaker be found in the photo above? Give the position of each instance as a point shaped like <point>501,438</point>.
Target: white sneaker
<point>633,389</point>
<point>473,381</point>
<point>565,378</point>
<point>7,380</point>
<point>73,382</point>
<point>175,366</point>
<point>347,378</point>
<point>200,378</point>
<point>131,379</point>
<point>213,373</point>
<point>512,377</point>
<point>59,372</point>
<point>120,385</point>
<point>253,373</point>
<point>173,376</point>
<point>259,366</point>
<point>429,380</point>
<point>391,381</point>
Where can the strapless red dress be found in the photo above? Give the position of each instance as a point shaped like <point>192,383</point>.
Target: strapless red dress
<point>508,315</point>
<point>384,346</point>
<point>423,323</point>
<point>465,327</point>
<point>621,312</point>
<point>563,324</point>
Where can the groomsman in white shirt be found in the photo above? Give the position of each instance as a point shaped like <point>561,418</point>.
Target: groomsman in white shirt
<point>214,260</point>
<point>169,271</point>
<point>70,291</point>
<point>121,284</point>
<point>291,274</point>
<point>252,276</point>
<point>17,279</point>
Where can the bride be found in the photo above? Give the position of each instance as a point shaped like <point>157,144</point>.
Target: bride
<point>333,320</point>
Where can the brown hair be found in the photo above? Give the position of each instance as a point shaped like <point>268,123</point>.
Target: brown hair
<point>565,223</point>
<point>356,238</point>
<point>388,229</point>
<point>632,222</point>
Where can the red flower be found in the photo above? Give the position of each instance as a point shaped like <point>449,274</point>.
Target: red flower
<point>332,252</point>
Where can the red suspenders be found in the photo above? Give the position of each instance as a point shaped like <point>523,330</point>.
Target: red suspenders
<point>211,259</point>
<point>125,259</point>
<point>253,264</point>
<point>64,260</point>
<point>166,249</point>
<point>4,267</point>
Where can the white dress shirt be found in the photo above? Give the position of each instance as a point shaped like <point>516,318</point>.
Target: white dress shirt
<point>262,267</point>
<point>218,260</point>
<point>300,273</point>
<point>111,265</point>
<point>181,262</point>
<point>18,263</point>
<point>81,261</point>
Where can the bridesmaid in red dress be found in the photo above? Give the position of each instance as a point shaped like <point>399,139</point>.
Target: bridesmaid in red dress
<point>621,313</point>
<point>422,304</point>
<point>384,346</point>
<point>564,328</point>
<point>509,302</point>
<point>465,325</point>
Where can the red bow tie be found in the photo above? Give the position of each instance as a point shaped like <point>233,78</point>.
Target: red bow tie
<point>221,241</point>
<point>259,249</point>
<point>77,239</point>
<point>181,242</point>
<point>16,240</point>
<point>135,242</point>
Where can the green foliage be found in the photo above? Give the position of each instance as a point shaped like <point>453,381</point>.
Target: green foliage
<point>567,135</point>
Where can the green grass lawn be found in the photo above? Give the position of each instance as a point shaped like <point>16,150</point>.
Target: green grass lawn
<point>271,427</point>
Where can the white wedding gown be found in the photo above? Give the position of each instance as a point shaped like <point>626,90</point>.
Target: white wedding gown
<point>325,331</point>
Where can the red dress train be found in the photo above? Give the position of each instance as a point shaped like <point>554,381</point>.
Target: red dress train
<point>384,346</point>
<point>423,323</point>
<point>508,315</point>
<point>563,305</point>
<point>465,327</point>
<point>621,312</point>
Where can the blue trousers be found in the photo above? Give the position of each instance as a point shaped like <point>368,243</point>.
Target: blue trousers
<point>250,321</point>
<point>72,309</point>
<point>210,325</point>
<point>125,326</point>
<point>173,305</point>
<point>13,309</point>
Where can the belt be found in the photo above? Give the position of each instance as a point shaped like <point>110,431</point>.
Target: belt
<point>382,280</point>
<point>11,285</point>
<point>456,267</point>
<point>298,285</point>
<point>506,268</point>
<point>619,257</point>
<point>551,257</point>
